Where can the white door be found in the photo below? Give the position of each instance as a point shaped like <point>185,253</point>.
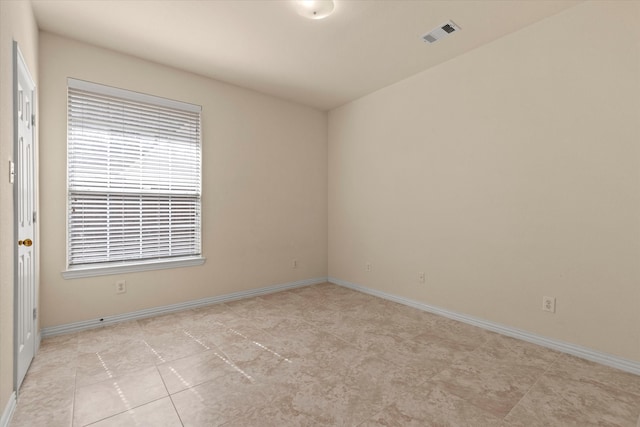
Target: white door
<point>24,202</point>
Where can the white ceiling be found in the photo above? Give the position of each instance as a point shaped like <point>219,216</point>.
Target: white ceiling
<point>266,46</point>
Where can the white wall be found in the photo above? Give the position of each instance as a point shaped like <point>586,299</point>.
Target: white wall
<point>264,187</point>
<point>16,23</point>
<point>506,174</point>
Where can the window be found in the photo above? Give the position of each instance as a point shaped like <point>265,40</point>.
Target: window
<point>134,181</point>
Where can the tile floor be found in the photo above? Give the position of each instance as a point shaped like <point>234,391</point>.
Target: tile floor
<point>316,356</point>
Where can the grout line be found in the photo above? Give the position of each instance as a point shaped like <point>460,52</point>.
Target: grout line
<point>301,319</point>
<point>627,365</point>
<point>179,307</point>
<point>599,381</point>
<point>169,396</point>
<point>123,412</point>
<point>534,384</point>
<point>75,386</point>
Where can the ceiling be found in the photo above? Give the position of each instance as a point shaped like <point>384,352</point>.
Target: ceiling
<point>266,46</point>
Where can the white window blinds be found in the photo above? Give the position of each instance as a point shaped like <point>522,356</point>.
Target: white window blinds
<point>133,176</point>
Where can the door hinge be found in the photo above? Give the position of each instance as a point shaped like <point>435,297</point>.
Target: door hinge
<point>35,216</point>
<point>12,172</point>
<point>35,313</point>
<point>33,120</point>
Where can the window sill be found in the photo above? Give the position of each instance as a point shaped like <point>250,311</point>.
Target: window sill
<point>104,270</point>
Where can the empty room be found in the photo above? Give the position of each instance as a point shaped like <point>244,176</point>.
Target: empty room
<point>319,213</point>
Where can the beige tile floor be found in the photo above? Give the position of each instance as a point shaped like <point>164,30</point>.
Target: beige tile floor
<point>316,356</point>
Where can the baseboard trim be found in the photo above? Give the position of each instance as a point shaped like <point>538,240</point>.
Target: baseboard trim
<point>8,411</point>
<point>575,350</point>
<point>155,311</point>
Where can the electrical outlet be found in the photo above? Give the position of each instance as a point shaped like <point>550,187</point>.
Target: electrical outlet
<point>121,286</point>
<point>549,304</point>
<point>367,266</point>
<point>294,263</point>
<point>421,277</point>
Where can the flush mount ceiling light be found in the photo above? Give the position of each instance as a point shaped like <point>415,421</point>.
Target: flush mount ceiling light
<point>314,9</point>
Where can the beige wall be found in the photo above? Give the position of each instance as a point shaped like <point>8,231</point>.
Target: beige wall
<point>506,174</point>
<point>16,23</point>
<point>264,187</point>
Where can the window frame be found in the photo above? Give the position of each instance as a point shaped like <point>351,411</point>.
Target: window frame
<point>127,266</point>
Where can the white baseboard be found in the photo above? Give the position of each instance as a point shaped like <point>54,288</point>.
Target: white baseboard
<point>8,411</point>
<point>575,350</point>
<point>155,311</point>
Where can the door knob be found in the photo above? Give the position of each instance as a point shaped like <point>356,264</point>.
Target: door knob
<point>26,242</point>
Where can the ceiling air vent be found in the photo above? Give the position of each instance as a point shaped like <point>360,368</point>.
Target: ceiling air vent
<point>440,32</point>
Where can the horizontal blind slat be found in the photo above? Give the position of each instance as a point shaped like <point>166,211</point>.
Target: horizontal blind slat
<point>134,179</point>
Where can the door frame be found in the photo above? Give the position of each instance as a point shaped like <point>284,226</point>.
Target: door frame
<point>18,57</point>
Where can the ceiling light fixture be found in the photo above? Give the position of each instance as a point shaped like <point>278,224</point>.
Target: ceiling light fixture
<point>315,9</point>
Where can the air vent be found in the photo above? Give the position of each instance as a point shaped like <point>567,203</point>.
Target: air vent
<point>440,32</point>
